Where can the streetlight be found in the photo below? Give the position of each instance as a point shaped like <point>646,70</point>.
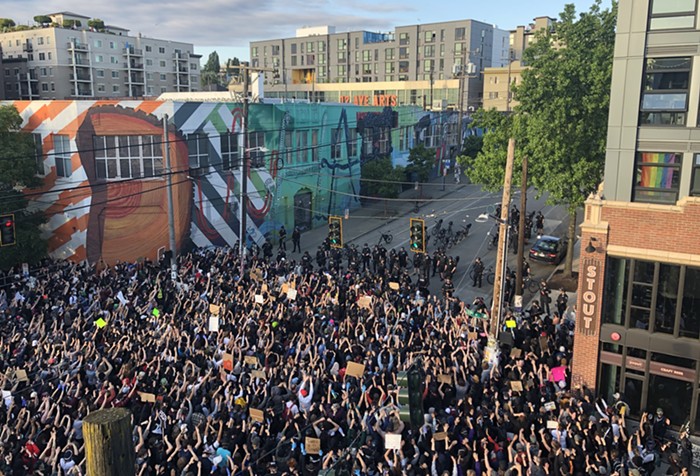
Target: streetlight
<point>244,204</point>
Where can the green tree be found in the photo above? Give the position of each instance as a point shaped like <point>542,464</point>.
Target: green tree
<point>6,23</point>
<point>17,171</point>
<point>421,162</point>
<point>96,24</point>
<point>381,179</point>
<point>210,71</point>
<point>42,20</point>
<point>565,95</point>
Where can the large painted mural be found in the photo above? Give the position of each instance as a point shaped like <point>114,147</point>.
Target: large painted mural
<point>105,177</point>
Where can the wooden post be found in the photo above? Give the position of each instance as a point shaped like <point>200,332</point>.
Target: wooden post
<point>501,254</point>
<point>521,230</point>
<point>108,443</point>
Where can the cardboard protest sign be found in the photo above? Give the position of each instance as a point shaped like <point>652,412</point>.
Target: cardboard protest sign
<point>122,299</point>
<point>292,294</point>
<point>472,336</point>
<point>312,445</point>
<point>257,415</point>
<point>355,370</point>
<point>147,397</point>
<point>155,312</point>
<point>392,441</point>
<point>445,378</point>
<point>552,425</point>
<point>284,288</point>
<point>228,362</point>
<point>21,375</point>
<point>515,353</point>
<point>213,323</point>
<point>100,323</point>
<point>516,386</point>
<point>258,374</point>
<point>214,309</point>
<point>550,406</point>
<point>440,436</point>
<point>511,324</point>
<point>365,302</point>
<point>251,360</point>
<point>394,286</point>
<point>258,299</point>
<point>544,343</point>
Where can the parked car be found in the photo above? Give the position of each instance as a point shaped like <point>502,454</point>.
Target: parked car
<point>548,249</point>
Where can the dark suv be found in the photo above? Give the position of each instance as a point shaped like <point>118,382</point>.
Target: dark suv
<point>548,249</point>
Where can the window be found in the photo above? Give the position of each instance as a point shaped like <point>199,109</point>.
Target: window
<point>198,149</point>
<point>256,140</point>
<point>149,48</point>
<point>113,60</point>
<point>61,150</point>
<point>335,143</point>
<point>389,68</point>
<point>690,306</point>
<point>429,51</point>
<point>38,153</point>
<point>229,151</point>
<point>403,66</point>
<point>404,39</point>
<point>314,145</point>
<point>118,157</point>
<point>40,40</point>
<point>162,64</point>
<point>100,88</point>
<point>44,72</point>
<point>98,59</point>
<point>352,142</point>
<point>163,77</point>
<point>403,53</point>
<point>389,54</point>
<point>161,50</point>
<point>42,56</point>
<point>115,74</point>
<point>665,95</point>
<point>342,71</point>
<point>367,147</point>
<point>384,140</point>
<point>658,177</point>
<point>428,66</point>
<point>429,36</point>
<point>100,73</point>
<point>112,45</point>
<point>288,143</point>
<point>115,88</point>
<point>672,14</point>
<point>294,60</point>
<point>149,62</point>
<point>302,147</point>
<point>460,34</point>
<point>48,55</point>
<point>367,55</point>
<point>44,87</point>
<point>342,44</point>
<point>695,180</point>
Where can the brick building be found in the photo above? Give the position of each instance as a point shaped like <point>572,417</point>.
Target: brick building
<point>638,309</point>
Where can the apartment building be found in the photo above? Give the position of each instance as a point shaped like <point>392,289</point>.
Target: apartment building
<point>638,309</point>
<point>499,79</point>
<point>79,62</point>
<point>414,55</point>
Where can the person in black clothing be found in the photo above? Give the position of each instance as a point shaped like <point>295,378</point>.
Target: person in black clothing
<point>478,272</point>
<point>296,240</point>
<point>539,223</point>
<point>562,302</point>
<point>283,238</point>
<point>267,249</point>
<point>366,257</point>
<point>545,298</point>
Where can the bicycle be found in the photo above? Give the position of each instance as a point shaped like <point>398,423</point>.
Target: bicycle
<point>531,284</point>
<point>488,274</point>
<point>385,237</point>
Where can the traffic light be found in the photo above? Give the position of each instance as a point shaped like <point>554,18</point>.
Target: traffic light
<point>410,385</point>
<point>417,235</point>
<point>7,230</point>
<point>335,231</point>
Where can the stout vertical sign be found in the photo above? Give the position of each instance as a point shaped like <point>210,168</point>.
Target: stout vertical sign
<point>589,313</point>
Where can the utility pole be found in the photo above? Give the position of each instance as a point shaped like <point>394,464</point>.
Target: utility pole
<point>109,448</point>
<point>521,230</point>
<point>171,210</point>
<point>244,176</point>
<point>501,256</point>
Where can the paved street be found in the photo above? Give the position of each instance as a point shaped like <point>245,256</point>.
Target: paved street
<point>460,204</point>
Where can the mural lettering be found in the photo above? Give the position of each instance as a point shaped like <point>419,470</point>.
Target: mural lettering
<point>377,100</point>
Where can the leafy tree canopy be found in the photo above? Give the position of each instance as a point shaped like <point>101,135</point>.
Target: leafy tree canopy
<point>421,162</point>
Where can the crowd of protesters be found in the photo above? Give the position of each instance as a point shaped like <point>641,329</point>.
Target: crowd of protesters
<point>90,338</point>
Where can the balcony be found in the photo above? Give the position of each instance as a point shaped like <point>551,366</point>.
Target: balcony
<point>82,62</point>
<point>30,76</point>
<point>133,65</point>
<point>80,77</point>
<point>131,51</point>
<point>135,79</point>
<point>180,69</point>
<point>27,47</point>
<point>77,46</point>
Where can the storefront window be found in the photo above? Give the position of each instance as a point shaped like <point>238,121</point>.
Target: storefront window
<point>644,272</point>
<point>609,381</point>
<point>690,310</point>
<point>633,393</point>
<point>666,298</point>
<point>615,294</point>
<point>673,396</point>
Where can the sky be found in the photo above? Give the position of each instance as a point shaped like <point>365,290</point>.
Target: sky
<point>228,26</point>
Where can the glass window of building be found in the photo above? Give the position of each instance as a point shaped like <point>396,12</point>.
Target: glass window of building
<point>403,53</point>
<point>229,150</point>
<point>429,36</point>
<point>62,155</point>
<point>342,44</point>
<point>429,51</point>
<point>665,94</point>
<point>657,177</point>
<point>672,14</point>
<point>198,147</point>
<point>460,34</point>
<point>690,305</point>
<point>352,142</point>
<point>671,395</point>
<point>389,54</point>
<point>367,55</point>
<point>666,298</point>
<point>404,39</point>
<point>695,180</point>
